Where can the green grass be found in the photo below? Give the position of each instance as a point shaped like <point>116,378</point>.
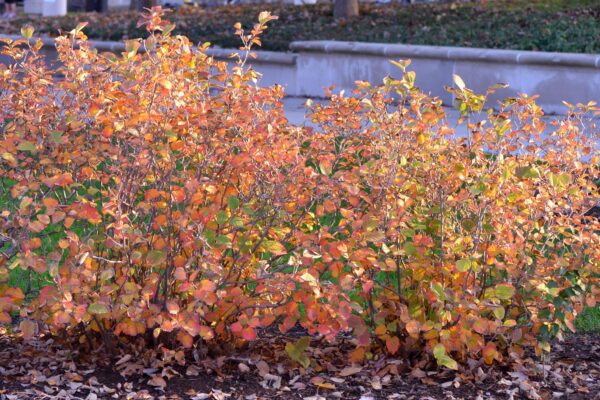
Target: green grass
<point>554,25</point>
<point>29,281</point>
<point>589,320</point>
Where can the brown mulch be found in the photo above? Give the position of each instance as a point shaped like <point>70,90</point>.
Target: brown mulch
<point>46,369</point>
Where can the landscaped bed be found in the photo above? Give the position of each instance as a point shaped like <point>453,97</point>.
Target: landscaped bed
<point>558,25</point>
<point>166,229</point>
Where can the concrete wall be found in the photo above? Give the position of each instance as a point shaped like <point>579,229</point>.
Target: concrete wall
<point>118,4</point>
<point>555,77</point>
<point>33,6</point>
<point>315,65</point>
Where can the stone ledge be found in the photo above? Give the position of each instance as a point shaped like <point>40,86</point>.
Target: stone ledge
<point>262,56</point>
<point>449,53</point>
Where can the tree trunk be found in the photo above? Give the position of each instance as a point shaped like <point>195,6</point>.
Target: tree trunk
<point>140,5</point>
<point>345,8</point>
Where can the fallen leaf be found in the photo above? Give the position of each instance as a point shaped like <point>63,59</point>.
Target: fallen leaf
<point>350,371</point>
<point>243,367</point>
<point>158,382</point>
<point>124,359</point>
<point>263,368</point>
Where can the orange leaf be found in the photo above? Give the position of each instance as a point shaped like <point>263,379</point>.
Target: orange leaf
<point>28,329</point>
<point>172,307</point>
<point>489,352</point>
<point>186,340</point>
<point>412,327</point>
<point>89,212</point>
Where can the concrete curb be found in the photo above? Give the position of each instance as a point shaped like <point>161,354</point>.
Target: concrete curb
<point>448,53</point>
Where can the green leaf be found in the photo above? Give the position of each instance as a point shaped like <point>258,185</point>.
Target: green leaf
<point>504,291</point>
<point>222,217</point>
<point>439,352</point>
<point>439,291</point>
<point>304,360</point>
<point>410,249</point>
<point>402,64</point>
<point>479,188</point>
<point>527,172</point>
<point>468,224</point>
<point>559,181</point>
<point>248,210</point>
<point>499,312</point>
<point>303,343</point>
<point>154,258</point>
<point>233,202</point>
<point>97,308</point>
<point>237,222</point>
<point>168,29</point>
<point>447,362</point>
<point>463,265</point>
<point>26,146</point>
<point>223,240</point>
<point>296,351</point>
<point>210,236</point>
<point>273,247</point>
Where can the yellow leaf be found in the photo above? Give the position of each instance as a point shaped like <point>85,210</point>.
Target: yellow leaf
<point>459,82</point>
<point>273,247</point>
<point>166,84</point>
<point>27,31</point>
<point>308,277</point>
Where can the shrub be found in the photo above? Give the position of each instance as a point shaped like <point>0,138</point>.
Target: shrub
<point>477,243</point>
<point>164,194</point>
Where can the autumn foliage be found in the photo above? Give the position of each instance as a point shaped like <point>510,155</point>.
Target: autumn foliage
<point>163,194</point>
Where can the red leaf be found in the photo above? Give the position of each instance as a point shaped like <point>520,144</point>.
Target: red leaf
<point>249,333</point>
<point>392,344</point>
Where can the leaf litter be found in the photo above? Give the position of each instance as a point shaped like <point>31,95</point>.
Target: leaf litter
<point>45,368</point>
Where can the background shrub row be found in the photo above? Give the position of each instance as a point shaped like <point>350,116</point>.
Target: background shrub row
<point>559,25</point>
